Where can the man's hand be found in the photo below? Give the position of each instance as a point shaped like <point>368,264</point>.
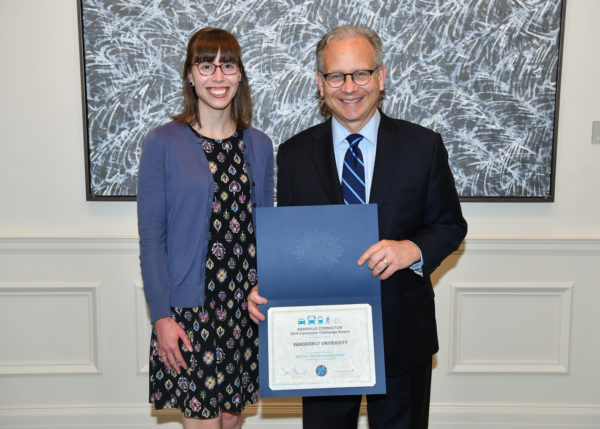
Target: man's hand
<point>388,256</point>
<point>169,333</point>
<point>254,300</point>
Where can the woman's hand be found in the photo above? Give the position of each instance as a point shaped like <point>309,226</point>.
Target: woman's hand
<point>169,333</point>
<point>254,300</point>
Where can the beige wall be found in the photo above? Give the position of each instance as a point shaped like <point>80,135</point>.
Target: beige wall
<point>40,114</point>
<point>517,305</point>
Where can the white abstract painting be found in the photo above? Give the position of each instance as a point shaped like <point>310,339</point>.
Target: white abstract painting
<point>483,73</point>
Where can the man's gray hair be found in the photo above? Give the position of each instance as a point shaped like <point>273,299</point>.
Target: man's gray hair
<point>346,32</point>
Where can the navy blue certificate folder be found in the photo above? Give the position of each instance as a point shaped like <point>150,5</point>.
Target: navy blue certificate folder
<point>307,256</point>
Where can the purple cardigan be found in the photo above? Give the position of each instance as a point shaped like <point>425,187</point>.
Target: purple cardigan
<point>174,202</point>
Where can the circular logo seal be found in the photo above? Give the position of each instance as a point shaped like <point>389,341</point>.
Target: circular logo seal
<point>321,370</point>
<point>318,249</point>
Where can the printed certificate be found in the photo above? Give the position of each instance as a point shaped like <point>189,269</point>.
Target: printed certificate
<point>323,333</point>
<point>321,346</point>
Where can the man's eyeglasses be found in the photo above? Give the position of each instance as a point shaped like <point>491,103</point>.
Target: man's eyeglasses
<point>208,69</point>
<point>359,77</point>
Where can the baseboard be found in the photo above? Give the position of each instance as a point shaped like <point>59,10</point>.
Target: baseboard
<point>286,414</point>
<point>514,416</point>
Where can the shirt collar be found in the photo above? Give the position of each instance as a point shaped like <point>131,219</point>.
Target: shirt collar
<point>369,131</point>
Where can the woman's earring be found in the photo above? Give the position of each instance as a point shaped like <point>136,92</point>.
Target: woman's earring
<point>191,84</point>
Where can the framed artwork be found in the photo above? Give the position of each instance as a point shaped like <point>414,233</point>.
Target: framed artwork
<point>484,73</point>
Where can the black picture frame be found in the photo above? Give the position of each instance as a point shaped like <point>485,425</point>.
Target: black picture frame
<point>500,130</point>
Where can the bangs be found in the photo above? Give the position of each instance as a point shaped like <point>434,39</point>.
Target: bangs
<point>207,46</point>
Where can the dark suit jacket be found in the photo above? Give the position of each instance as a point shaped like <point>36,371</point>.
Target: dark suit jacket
<point>417,200</point>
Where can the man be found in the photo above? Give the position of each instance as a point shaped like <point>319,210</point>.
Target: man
<point>361,155</point>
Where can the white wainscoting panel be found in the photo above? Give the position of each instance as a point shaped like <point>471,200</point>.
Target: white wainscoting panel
<point>510,326</point>
<point>40,322</point>
<point>516,317</point>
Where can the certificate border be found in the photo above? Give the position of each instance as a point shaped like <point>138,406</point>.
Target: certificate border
<point>367,310</point>
<point>263,361</point>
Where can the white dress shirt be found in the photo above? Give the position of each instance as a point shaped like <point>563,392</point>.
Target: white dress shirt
<point>367,146</point>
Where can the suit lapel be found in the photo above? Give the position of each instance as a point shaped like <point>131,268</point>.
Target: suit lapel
<point>324,159</point>
<point>386,159</point>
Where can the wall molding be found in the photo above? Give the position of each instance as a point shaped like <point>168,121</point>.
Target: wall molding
<point>69,243</point>
<point>513,416</point>
<point>117,242</point>
<point>534,244</point>
<point>559,296</point>
<point>89,290</point>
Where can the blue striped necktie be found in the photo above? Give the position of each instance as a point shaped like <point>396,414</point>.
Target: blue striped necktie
<point>353,173</point>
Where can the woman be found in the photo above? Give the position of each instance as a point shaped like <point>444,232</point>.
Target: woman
<point>201,175</point>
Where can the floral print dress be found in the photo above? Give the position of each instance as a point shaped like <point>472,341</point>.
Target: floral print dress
<point>222,372</point>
